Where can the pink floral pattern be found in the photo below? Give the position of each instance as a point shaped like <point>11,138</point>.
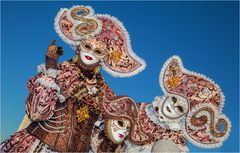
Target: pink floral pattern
<point>121,107</point>
<point>41,101</point>
<point>203,95</point>
<point>157,132</point>
<point>12,144</point>
<point>201,135</point>
<point>125,107</point>
<point>67,79</point>
<point>121,60</point>
<point>197,89</point>
<point>66,25</point>
<point>114,36</point>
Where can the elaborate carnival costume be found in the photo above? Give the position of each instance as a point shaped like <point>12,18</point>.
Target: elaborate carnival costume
<point>65,100</point>
<point>192,103</point>
<point>197,105</point>
<point>72,109</point>
<point>115,126</point>
<point>139,129</point>
<point>191,109</point>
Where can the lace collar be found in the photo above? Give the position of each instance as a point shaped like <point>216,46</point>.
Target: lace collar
<point>153,116</point>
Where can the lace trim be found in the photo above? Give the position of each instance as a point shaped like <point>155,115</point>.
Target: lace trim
<point>154,116</point>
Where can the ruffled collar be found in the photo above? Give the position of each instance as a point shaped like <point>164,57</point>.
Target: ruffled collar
<point>153,116</point>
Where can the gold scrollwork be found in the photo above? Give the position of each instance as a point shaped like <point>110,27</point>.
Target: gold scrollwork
<point>88,25</point>
<point>194,122</point>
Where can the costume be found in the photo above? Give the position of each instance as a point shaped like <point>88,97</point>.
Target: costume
<point>195,102</point>
<point>139,126</point>
<point>65,100</point>
<point>115,126</point>
<point>190,109</point>
<point>72,108</point>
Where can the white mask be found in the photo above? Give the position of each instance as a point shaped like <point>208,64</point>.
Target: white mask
<point>171,107</point>
<point>88,58</point>
<point>118,130</point>
<point>92,51</point>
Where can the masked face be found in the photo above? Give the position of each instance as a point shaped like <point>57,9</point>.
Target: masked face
<point>92,51</point>
<point>118,130</point>
<point>170,107</point>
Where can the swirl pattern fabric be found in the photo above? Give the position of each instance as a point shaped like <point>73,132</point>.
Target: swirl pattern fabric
<point>205,100</point>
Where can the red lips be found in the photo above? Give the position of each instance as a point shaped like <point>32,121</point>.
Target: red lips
<point>88,57</point>
<point>120,135</point>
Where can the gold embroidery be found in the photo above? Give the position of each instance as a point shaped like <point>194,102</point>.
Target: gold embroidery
<point>87,25</point>
<point>174,82</point>
<point>115,56</point>
<point>204,120</point>
<point>75,58</point>
<point>79,93</point>
<point>97,70</point>
<point>82,114</point>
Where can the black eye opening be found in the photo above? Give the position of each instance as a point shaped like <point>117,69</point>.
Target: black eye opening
<point>88,46</point>
<point>97,51</point>
<point>180,108</point>
<point>174,99</point>
<point>120,123</point>
<point>156,109</point>
<point>168,109</point>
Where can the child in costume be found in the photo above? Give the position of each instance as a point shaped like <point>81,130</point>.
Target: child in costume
<point>65,100</point>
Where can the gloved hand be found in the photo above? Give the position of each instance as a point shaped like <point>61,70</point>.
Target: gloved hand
<point>52,55</point>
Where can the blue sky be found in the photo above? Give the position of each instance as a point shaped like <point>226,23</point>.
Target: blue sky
<point>203,34</point>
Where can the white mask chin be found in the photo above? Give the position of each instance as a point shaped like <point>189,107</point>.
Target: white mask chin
<point>118,130</point>
<point>88,58</point>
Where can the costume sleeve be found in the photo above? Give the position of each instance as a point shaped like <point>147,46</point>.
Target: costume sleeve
<point>43,96</point>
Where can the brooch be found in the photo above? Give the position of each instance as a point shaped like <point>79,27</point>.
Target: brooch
<point>82,114</point>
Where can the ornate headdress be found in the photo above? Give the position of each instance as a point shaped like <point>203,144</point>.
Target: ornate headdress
<point>79,22</point>
<point>205,126</point>
<point>125,107</point>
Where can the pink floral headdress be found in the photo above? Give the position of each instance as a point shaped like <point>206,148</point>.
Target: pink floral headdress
<point>125,107</point>
<point>73,27</point>
<point>204,118</point>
